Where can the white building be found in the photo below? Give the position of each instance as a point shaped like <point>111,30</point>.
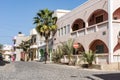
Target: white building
<point>7,49</point>
<point>17,41</point>
<point>95,25</point>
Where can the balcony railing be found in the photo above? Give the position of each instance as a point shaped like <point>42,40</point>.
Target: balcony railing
<point>90,29</point>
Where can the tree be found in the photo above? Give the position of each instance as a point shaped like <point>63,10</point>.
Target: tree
<point>45,24</point>
<point>67,48</point>
<point>57,54</point>
<point>25,45</point>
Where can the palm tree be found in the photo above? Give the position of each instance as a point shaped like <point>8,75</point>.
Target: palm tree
<point>57,54</point>
<point>45,24</point>
<point>67,48</point>
<point>89,57</point>
<point>25,45</point>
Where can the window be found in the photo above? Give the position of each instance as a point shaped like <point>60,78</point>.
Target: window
<point>99,19</point>
<point>100,49</point>
<point>68,29</point>
<point>14,41</point>
<point>34,40</point>
<point>58,32</point>
<point>64,29</point>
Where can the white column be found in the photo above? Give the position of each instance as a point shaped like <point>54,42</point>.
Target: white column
<point>110,29</point>
<point>51,56</point>
<point>86,26</point>
<point>37,53</point>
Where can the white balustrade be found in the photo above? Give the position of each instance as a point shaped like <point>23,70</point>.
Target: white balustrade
<point>90,29</point>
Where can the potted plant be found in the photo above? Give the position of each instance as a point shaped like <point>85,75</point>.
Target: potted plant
<point>88,57</point>
<point>57,55</point>
<point>67,48</point>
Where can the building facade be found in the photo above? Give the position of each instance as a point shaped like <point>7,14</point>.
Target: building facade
<point>95,25</point>
<point>35,39</point>
<point>17,41</point>
<point>7,51</point>
<point>38,45</point>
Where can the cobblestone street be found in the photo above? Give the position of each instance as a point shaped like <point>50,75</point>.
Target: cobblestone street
<point>41,71</point>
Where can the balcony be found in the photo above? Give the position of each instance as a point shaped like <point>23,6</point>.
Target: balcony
<point>34,45</point>
<point>90,29</point>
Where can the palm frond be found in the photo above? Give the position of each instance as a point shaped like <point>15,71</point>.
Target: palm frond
<point>45,23</point>
<point>89,57</point>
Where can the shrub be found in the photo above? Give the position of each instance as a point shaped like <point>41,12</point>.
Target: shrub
<point>57,55</point>
<point>89,57</point>
<point>67,48</point>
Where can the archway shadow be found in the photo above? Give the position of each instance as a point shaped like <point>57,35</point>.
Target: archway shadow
<point>110,76</point>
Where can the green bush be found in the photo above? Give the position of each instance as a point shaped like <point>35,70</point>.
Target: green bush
<point>67,48</point>
<point>57,54</point>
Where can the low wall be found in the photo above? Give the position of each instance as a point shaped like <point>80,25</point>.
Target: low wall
<point>100,59</point>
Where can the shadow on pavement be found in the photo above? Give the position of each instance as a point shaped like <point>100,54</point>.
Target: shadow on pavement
<point>111,76</point>
<point>90,78</point>
<point>2,63</point>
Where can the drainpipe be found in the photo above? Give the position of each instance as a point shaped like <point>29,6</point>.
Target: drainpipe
<point>110,30</point>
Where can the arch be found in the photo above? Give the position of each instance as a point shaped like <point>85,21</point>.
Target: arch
<point>98,46</point>
<point>116,14</point>
<point>97,16</point>
<point>117,47</point>
<point>78,24</point>
<point>41,52</point>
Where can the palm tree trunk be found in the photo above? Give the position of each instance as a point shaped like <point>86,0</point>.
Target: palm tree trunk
<point>47,44</point>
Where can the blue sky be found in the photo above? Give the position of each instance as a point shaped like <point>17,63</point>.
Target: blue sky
<point>17,15</point>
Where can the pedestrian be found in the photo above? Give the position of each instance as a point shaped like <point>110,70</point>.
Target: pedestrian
<point>45,56</point>
<point>1,57</point>
<point>13,58</point>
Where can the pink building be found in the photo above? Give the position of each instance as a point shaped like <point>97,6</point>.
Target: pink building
<point>96,26</point>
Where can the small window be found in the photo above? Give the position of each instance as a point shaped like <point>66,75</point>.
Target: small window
<point>99,19</point>
<point>100,49</point>
<point>58,32</point>
<point>64,29</point>
<point>68,28</point>
<point>34,40</point>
